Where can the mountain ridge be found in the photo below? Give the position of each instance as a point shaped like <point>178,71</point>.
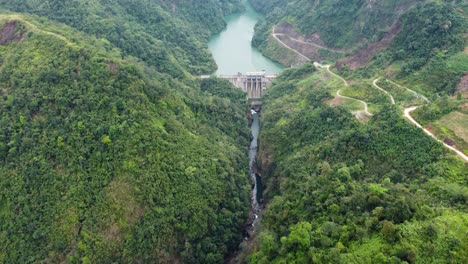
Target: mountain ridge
<point>104,158</point>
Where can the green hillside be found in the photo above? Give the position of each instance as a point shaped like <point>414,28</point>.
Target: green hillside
<point>371,189</point>
<point>340,24</point>
<point>155,31</point>
<point>340,191</point>
<point>105,160</point>
<point>427,53</point>
<point>113,151</point>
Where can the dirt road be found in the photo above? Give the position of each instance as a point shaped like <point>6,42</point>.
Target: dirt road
<point>327,67</point>
<point>407,111</point>
<point>289,48</point>
<point>378,87</point>
<point>411,119</point>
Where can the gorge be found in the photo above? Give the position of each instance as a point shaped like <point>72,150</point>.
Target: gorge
<point>119,144</point>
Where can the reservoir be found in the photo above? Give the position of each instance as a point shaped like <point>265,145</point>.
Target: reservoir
<point>232,49</point>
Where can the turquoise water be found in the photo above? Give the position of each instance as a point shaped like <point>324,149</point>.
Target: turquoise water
<point>232,49</point>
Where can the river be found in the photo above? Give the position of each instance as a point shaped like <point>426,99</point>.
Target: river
<point>232,49</point>
<point>258,187</point>
<point>233,53</point>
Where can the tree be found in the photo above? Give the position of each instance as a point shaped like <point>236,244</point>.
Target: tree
<point>299,237</point>
<point>389,231</point>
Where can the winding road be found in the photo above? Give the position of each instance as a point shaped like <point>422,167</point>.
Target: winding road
<point>411,119</point>
<point>327,67</point>
<point>407,111</point>
<point>408,89</point>
<point>407,114</point>
<point>275,35</point>
<point>380,88</point>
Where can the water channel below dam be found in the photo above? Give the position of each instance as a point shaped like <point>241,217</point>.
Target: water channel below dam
<point>233,53</point>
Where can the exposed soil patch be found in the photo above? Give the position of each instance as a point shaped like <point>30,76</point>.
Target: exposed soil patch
<point>309,46</point>
<point>114,68</point>
<point>288,29</point>
<point>9,33</point>
<point>463,107</point>
<point>336,101</point>
<point>449,142</point>
<point>362,57</point>
<point>309,51</point>
<point>113,233</point>
<point>390,74</point>
<point>430,127</point>
<point>463,86</point>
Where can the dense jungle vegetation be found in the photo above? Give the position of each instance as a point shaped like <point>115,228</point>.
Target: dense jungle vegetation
<point>340,191</point>
<point>156,31</point>
<point>105,159</point>
<point>112,152</point>
<point>427,53</point>
<point>340,24</point>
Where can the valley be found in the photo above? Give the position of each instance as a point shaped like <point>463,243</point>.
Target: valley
<point>335,133</point>
<point>334,206</point>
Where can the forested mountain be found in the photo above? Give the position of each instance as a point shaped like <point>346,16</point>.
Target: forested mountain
<point>428,55</point>
<point>427,52</point>
<point>330,30</point>
<point>340,191</point>
<point>339,24</point>
<point>376,188</point>
<point>111,151</point>
<point>105,159</point>
<point>158,32</point>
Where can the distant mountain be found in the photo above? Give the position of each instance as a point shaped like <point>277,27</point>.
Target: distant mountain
<point>357,34</point>
<point>338,24</point>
